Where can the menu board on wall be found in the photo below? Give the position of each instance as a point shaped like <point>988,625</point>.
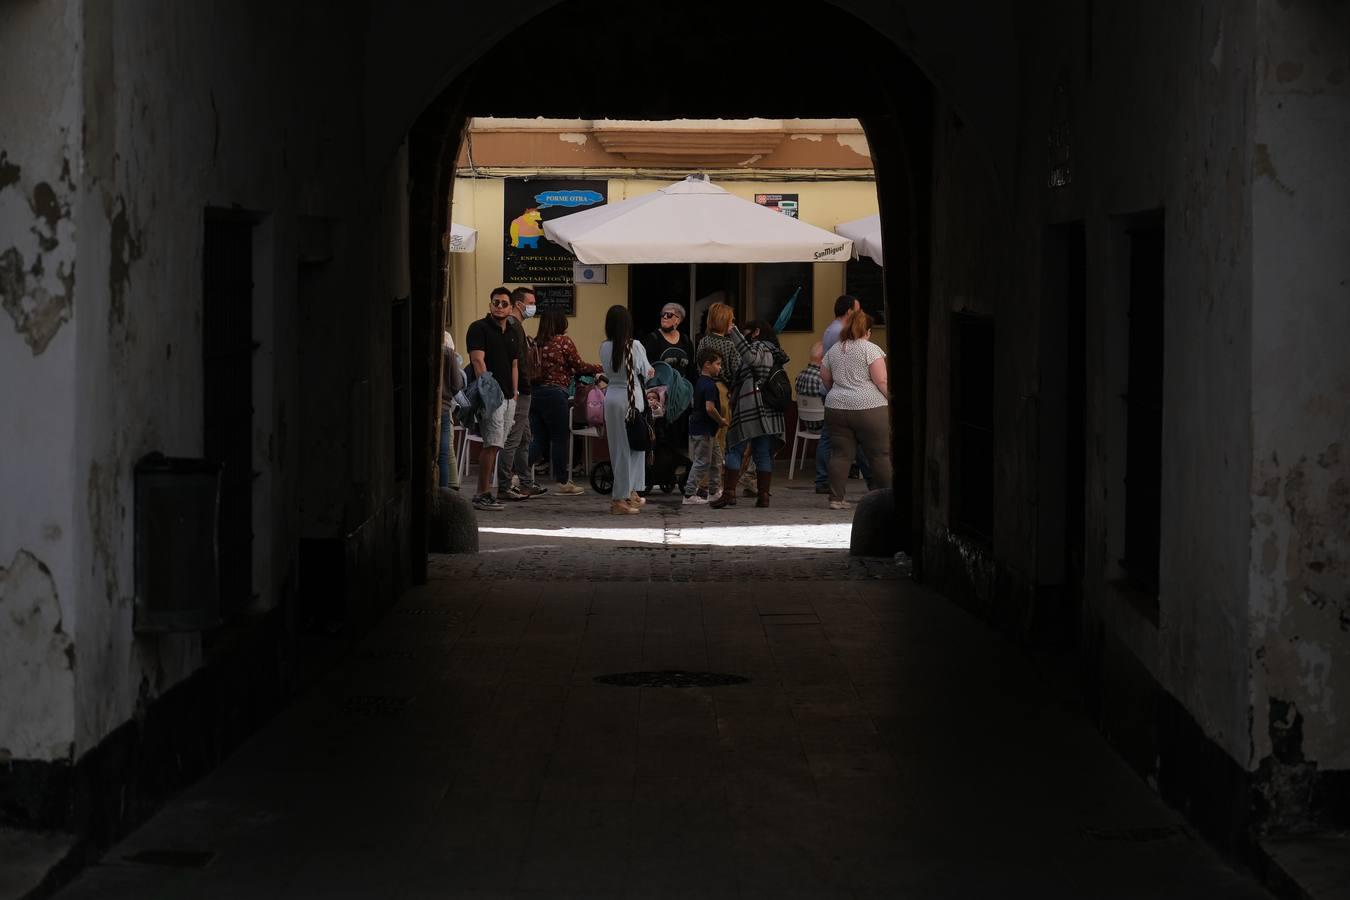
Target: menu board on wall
<point>787,204</point>
<point>529,257</point>
<point>559,297</point>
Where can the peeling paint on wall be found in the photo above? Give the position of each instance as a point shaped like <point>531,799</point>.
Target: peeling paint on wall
<point>37,269</point>
<point>573,137</point>
<point>126,250</point>
<point>37,694</point>
<point>9,173</point>
<point>855,142</point>
<point>1264,167</point>
<point>103,496</point>
<point>1301,602</point>
<point>38,313</point>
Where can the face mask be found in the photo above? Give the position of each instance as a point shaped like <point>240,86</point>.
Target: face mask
<point>529,311</point>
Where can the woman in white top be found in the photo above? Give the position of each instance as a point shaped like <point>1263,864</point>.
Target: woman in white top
<point>857,407</point>
<point>620,356</point>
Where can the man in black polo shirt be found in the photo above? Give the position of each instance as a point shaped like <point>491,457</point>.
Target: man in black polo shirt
<point>493,348</point>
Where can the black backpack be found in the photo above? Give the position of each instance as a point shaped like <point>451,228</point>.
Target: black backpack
<point>776,389</point>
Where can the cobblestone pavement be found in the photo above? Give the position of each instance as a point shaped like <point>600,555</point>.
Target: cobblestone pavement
<point>552,537</point>
<point>885,744</point>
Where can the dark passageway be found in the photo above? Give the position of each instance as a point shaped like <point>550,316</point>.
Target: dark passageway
<point>1114,285</point>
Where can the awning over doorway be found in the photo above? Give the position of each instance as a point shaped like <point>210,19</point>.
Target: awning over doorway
<point>463,239</point>
<point>692,221</point>
<point>866,236</point>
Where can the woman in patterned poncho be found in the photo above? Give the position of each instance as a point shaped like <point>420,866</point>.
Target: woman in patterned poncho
<point>753,423</point>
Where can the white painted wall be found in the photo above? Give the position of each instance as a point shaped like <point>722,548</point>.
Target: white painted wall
<point>40,158</point>
<point>1300,346</point>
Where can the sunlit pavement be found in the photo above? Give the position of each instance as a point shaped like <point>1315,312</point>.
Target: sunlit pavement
<point>884,744</point>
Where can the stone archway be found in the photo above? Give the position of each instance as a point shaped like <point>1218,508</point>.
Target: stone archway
<point>708,82</point>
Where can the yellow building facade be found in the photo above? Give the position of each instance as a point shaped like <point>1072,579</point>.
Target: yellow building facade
<point>823,162</point>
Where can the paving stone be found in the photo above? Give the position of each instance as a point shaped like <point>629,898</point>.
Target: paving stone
<point>887,744</point>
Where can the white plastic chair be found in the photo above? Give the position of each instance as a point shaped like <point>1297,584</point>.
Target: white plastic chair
<point>585,433</point>
<point>463,458</point>
<point>809,409</point>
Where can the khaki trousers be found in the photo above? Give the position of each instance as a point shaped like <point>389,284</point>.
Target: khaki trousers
<point>853,428</point>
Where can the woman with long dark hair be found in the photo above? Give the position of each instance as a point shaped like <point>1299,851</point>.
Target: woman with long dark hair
<point>550,413</point>
<point>624,361</point>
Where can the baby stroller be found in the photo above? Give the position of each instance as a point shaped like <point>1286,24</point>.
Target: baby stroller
<point>668,394</point>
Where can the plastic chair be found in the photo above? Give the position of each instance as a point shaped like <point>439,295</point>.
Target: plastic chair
<point>463,458</point>
<point>585,433</point>
<point>809,409</point>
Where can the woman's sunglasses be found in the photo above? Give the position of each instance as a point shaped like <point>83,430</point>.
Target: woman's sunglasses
<point>670,315</point>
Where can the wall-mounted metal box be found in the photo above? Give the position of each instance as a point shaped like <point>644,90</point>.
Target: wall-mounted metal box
<point>177,518</point>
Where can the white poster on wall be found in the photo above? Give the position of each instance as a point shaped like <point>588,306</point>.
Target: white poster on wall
<point>584,274</point>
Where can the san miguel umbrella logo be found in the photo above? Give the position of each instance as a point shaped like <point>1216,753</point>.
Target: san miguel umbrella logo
<point>530,256</point>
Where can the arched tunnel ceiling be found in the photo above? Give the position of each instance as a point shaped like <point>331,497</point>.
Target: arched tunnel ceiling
<point>602,58</point>
<point>735,60</point>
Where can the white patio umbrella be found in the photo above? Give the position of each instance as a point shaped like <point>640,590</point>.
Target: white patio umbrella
<point>866,236</point>
<point>463,239</point>
<point>692,221</point>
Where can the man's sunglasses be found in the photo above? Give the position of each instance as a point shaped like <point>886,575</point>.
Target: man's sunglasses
<point>500,304</point>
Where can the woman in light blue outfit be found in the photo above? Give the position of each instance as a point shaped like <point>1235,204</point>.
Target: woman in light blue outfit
<point>620,355</point>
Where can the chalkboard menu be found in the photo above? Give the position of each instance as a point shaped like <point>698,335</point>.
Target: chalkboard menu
<point>558,297</point>
<point>862,279</point>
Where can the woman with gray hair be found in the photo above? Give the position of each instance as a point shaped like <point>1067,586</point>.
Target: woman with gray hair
<point>670,345</point>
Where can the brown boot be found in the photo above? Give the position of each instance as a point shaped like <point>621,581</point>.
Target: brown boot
<point>764,481</point>
<point>728,497</point>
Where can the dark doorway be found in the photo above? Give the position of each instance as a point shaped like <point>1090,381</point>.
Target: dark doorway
<point>227,399</point>
<point>651,287</point>
<point>1075,413</point>
<point>1063,403</point>
<point>1143,406</point>
<point>973,426</point>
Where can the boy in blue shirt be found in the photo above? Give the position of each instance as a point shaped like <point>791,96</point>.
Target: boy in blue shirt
<point>704,421</point>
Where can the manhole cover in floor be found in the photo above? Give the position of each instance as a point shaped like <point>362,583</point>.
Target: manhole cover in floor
<point>178,859</point>
<point>375,707</point>
<point>1135,835</point>
<point>671,678</point>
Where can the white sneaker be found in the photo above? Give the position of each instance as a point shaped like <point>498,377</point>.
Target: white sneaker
<point>694,500</point>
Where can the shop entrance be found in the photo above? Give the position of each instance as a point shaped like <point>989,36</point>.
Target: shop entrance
<point>695,286</point>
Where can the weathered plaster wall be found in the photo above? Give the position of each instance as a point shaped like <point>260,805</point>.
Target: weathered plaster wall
<point>1300,420</point>
<point>1157,118</point>
<point>1172,120</point>
<point>184,113</point>
<point>40,93</point>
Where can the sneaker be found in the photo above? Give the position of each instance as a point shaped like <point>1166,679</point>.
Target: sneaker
<point>822,489</point>
<point>569,489</point>
<point>513,493</point>
<point>703,492</point>
<point>694,500</point>
<point>838,504</point>
<point>486,503</point>
<point>621,508</point>
<point>533,488</point>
